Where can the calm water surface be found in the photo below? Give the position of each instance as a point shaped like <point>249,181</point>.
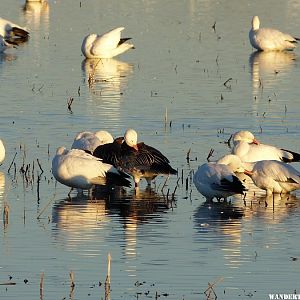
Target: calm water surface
<point>172,247</point>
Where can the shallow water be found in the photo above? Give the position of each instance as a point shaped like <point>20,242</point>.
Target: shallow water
<point>172,246</point>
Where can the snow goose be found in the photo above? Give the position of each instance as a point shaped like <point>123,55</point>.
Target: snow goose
<point>218,180</point>
<point>89,141</point>
<point>13,31</point>
<point>250,150</point>
<point>108,45</point>
<point>2,151</point>
<point>274,176</point>
<point>78,169</point>
<point>137,159</point>
<point>268,39</point>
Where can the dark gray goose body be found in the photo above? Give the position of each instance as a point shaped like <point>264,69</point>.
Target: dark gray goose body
<point>137,159</point>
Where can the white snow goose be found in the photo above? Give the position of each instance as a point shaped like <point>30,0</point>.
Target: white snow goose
<point>89,141</point>
<point>251,150</point>
<point>78,169</point>
<point>218,180</point>
<point>268,39</point>
<point>13,32</point>
<point>137,159</point>
<point>274,176</point>
<point>2,152</point>
<point>107,45</point>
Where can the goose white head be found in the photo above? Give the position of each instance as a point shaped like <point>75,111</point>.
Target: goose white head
<point>233,162</point>
<point>255,23</point>
<point>244,136</point>
<point>2,151</point>
<point>104,136</point>
<point>131,138</point>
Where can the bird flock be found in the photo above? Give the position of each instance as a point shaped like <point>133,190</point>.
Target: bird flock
<point>266,165</point>
<point>96,158</point>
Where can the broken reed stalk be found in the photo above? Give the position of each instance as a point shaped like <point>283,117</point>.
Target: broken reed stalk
<point>173,194</point>
<point>166,116</point>
<point>45,207</point>
<point>165,183</point>
<point>12,162</point>
<point>210,288</point>
<point>210,154</point>
<point>188,155</point>
<point>41,285</point>
<point>226,82</point>
<point>69,104</point>
<point>5,214</point>
<point>40,166</point>
<point>107,281</point>
<point>72,284</point>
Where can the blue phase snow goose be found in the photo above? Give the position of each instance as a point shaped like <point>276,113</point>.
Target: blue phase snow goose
<point>137,159</point>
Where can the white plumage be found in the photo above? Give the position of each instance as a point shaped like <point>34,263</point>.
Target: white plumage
<point>217,179</point>
<point>250,150</point>
<point>89,141</point>
<point>268,39</point>
<point>108,45</point>
<point>2,151</point>
<point>78,169</point>
<point>274,176</point>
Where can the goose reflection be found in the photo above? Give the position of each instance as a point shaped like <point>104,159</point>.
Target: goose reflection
<point>140,205</point>
<point>137,207</point>
<point>266,66</point>
<point>2,187</point>
<point>78,220</point>
<point>106,77</point>
<point>220,224</point>
<point>6,57</point>
<point>35,12</point>
<point>270,209</point>
<point>84,222</point>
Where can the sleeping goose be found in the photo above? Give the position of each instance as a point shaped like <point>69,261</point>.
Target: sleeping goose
<point>218,179</point>
<point>107,45</point>
<point>268,39</point>
<point>78,169</point>
<point>13,32</point>
<point>251,150</point>
<point>137,159</point>
<point>89,141</point>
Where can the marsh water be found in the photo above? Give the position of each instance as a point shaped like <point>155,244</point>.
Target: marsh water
<point>191,81</point>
